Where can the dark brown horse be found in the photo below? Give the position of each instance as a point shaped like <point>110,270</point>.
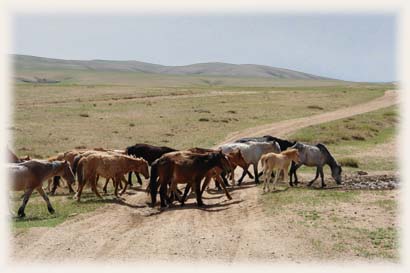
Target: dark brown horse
<point>183,167</point>
<point>148,152</point>
<point>30,175</point>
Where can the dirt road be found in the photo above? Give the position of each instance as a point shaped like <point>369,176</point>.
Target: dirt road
<point>224,231</point>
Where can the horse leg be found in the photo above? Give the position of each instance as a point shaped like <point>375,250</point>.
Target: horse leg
<point>130,178</point>
<point>243,175</point>
<point>56,182</point>
<point>45,197</point>
<point>219,179</point>
<point>226,183</point>
<point>162,195</point>
<point>125,183</point>
<point>255,171</point>
<point>25,200</point>
<point>314,179</point>
<point>265,178</point>
<point>322,177</point>
<point>184,197</point>
<point>293,170</point>
<point>105,185</point>
<point>197,185</point>
<point>276,179</point>
<point>138,178</point>
<point>70,189</point>
<point>205,184</point>
<point>94,188</point>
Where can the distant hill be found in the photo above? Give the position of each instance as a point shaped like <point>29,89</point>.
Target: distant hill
<point>26,63</point>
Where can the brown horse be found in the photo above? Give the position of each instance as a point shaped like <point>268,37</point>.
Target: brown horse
<point>279,162</point>
<point>108,166</point>
<point>28,176</point>
<point>183,167</point>
<point>78,157</point>
<point>234,158</point>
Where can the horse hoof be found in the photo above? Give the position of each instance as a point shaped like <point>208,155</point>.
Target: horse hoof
<point>51,210</point>
<point>201,205</point>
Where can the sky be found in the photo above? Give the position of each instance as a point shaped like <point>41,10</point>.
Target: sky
<point>354,47</point>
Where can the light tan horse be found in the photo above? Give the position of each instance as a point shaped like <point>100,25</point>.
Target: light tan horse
<point>108,166</point>
<point>279,162</point>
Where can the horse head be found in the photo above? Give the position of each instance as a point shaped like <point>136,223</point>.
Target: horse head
<point>142,167</point>
<point>220,159</point>
<point>337,174</point>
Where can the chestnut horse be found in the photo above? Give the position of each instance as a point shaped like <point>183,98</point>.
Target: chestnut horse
<point>183,167</point>
<point>279,162</point>
<point>108,166</point>
<point>28,176</point>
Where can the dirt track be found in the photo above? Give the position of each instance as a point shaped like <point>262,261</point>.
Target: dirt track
<point>224,231</point>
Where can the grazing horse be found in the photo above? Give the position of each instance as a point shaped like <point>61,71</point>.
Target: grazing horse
<point>28,176</point>
<point>251,152</point>
<point>315,156</point>
<point>182,167</point>
<point>279,162</point>
<point>113,166</point>
<point>148,152</point>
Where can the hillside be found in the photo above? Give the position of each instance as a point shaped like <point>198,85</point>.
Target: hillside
<point>46,70</point>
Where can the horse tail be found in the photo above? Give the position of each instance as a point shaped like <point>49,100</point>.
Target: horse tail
<point>263,161</point>
<point>75,163</point>
<point>153,185</point>
<point>80,172</point>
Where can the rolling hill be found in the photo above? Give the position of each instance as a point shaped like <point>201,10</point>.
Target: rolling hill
<point>47,70</point>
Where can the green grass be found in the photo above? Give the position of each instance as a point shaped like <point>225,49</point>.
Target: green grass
<point>37,214</point>
<point>335,222</point>
<point>375,126</point>
<point>348,139</point>
<point>107,113</point>
<point>349,162</point>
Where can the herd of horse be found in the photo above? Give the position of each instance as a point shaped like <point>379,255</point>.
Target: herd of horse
<point>169,167</point>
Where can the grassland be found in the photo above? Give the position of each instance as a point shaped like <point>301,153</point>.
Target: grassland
<point>353,140</point>
<point>50,119</point>
<point>54,118</point>
<point>339,222</point>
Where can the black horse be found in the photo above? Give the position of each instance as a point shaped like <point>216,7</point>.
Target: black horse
<point>284,144</point>
<point>148,152</point>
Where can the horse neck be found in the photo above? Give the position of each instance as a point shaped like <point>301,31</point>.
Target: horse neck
<point>53,170</point>
<point>331,161</point>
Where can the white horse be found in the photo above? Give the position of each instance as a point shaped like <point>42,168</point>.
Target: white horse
<point>278,162</point>
<point>251,153</point>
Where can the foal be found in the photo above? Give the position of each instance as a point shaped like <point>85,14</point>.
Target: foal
<point>273,161</point>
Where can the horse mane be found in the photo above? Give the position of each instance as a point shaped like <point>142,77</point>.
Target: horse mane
<point>290,151</point>
<point>323,148</point>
